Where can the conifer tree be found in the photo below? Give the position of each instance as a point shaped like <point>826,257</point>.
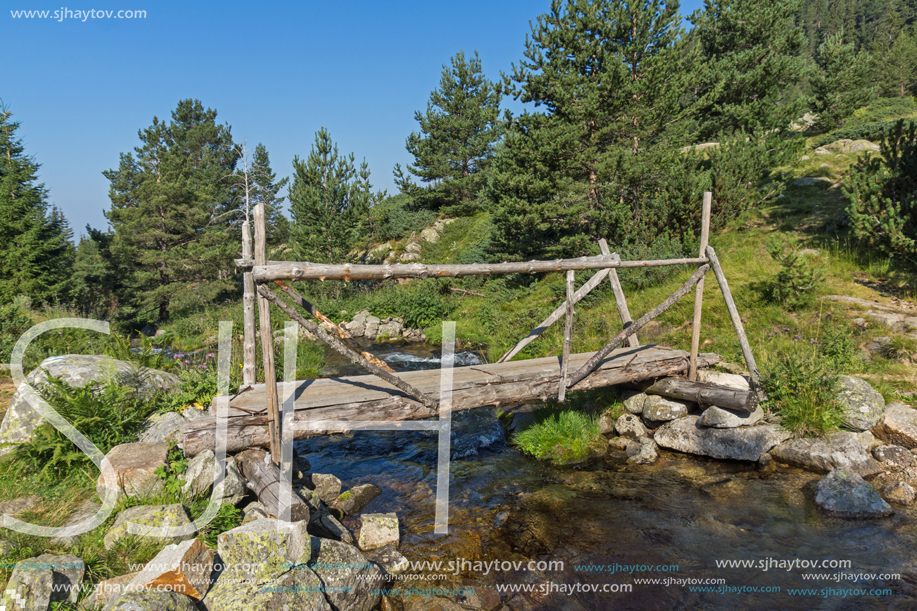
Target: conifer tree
<point>266,189</point>
<point>840,85</point>
<point>36,254</point>
<point>328,200</point>
<point>172,214</point>
<point>457,136</point>
<point>897,65</point>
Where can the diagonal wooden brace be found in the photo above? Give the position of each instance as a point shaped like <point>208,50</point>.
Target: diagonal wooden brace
<point>339,347</point>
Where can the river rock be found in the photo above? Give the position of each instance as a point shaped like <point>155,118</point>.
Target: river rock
<point>84,512</point>
<point>351,581</point>
<point>327,486</point>
<point>76,370</point>
<point>894,456</point>
<point>322,523</point>
<point>389,559</point>
<point>357,327</point>
<point>163,427</point>
<point>20,505</point>
<point>843,493</point>
<point>391,330</point>
<point>264,549</point>
<point>721,418</point>
<point>899,492</point>
<point>106,591</point>
<point>898,426</point>
<point>743,443</point>
<point>149,516</point>
<point>730,380</point>
<point>352,502</point>
<point>644,453</point>
<point>862,406</point>
<point>378,530</point>
<point>629,425</point>
<point>372,327</point>
<point>841,449</point>
<point>663,409</point>
<point>606,424</point>
<point>38,582</point>
<point>151,600</point>
<point>184,568</point>
<point>134,466</point>
<point>635,402</point>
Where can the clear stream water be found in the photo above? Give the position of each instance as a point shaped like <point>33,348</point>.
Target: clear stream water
<point>683,512</point>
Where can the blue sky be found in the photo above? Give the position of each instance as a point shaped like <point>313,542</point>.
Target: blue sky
<point>276,72</point>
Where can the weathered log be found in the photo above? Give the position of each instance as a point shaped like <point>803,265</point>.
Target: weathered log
<point>328,324</point>
<point>620,300</point>
<point>596,360</point>
<point>568,339</point>
<point>705,393</point>
<point>248,312</point>
<point>699,289</point>
<point>737,324</point>
<point>317,271</point>
<point>267,339</point>
<point>264,480</point>
<point>339,347</point>
<point>556,314</point>
<point>385,403</point>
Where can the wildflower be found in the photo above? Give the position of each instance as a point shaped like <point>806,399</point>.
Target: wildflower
<point>210,355</point>
<point>796,338</point>
<point>187,362</point>
<point>202,366</point>
<point>813,341</point>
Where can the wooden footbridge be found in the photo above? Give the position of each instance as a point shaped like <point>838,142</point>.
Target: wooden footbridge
<point>254,413</point>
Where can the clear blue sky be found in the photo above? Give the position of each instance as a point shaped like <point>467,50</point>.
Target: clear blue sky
<point>276,72</point>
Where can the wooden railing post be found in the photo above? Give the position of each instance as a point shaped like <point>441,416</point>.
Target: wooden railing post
<point>248,311</point>
<point>267,339</point>
<point>568,337</point>
<point>699,290</point>
<point>621,302</point>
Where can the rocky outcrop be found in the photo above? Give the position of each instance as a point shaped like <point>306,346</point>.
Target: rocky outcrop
<point>374,328</point>
<point>847,145</point>
<point>743,443</point>
<point>845,494</point>
<point>840,449</point>
<point>861,405</point>
<point>38,582</point>
<point>77,370</point>
<point>898,426</point>
<point>134,466</point>
<point>148,517</point>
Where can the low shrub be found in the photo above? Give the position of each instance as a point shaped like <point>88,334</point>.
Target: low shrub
<point>883,109</point>
<point>797,282</point>
<point>870,131</point>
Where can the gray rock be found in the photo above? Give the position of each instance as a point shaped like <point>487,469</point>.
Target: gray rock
<point>134,468</point>
<point>20,505</point>
<point>634,403</point>
<point>253,512</point>
<point>822,151</point>
<point>809,252</point>
<point>298,589</point>
<point>730,380</point>
<point>352,502</point>
<point>841,449</point>
<point>809,181</point>
<point>408,257</point>
<point>263,549</point>
<point>898,426</point>
<point>862,145</point>
<point>163,427</point>
<point>867,440</point>
<point>200,473</point>
<point>322,523</point>
<point>895,456</point>
<point>84,512</point>
<point>184,567</point>
<point>876,346</point>
<point>845,494</point>
<point>900,493</point>
<point>629,425</point>
<point>743,443</point>
<point>349,577</point>
<point>38,582</point>
<point>389,559</point>
<point>148,517</point>
<point>327,486</point>
<point>429,235</point>
<point>391,329</point>
<point>644,453</point>
<point>663,409</point>
<point>378,530</point>
<point>78,370</point>
<point>107,591</point>
<point>805,157</point>
<point>151,600</point>
<point>862,406</point>
<point>413,247</point>
<point>720,418</point>
<point>606,424</point>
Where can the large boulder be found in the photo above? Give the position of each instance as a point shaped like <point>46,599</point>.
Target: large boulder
<point>351,581</point>
<point>165,427</point>
<point>898,426</point>
<point>38,582</point>
<point>134,466</point>
<point>107,591</point>
<point>635,402</point>
<point>841,449</point>
<point>184,568</point>
<point>148,517</point>
<point>151,600</point>
<point>862,406</point>
<point>77,370</point>
<point>894,456</point>
<point>743,443</point>
<point>845,494</point>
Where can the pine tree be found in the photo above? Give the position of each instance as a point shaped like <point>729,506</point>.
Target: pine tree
<point>328,200</point>
<point>172,214</point>
<point>35,249</point>
<point>265,191</point>
<point>897,65</point>
<point>457,136</point>
<point>750,58</point>
<point>841,84</point>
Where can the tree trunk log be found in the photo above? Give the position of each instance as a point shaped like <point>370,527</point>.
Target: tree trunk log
<point>248,312</point>
<point>699,289</point>
<point>264,480</point>
<point>267,339</point>
<point>705,393</point>
<point>568,339</point>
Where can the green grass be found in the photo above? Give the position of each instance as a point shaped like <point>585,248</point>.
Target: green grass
<point>563,436</point>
